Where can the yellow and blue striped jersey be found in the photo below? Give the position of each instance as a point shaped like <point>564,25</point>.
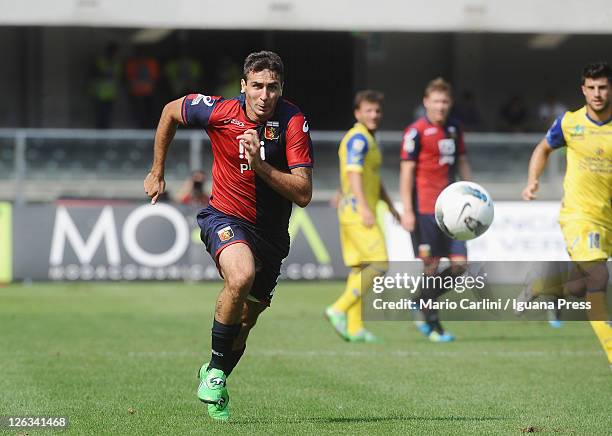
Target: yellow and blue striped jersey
<point>358,152</point>
<point>588,178</point>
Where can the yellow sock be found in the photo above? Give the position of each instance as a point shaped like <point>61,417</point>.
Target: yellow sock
<point>354,320</point>
<point>598,310</point>
<point>368,273</point>
<point>352,292</point>
<point>603,331</point>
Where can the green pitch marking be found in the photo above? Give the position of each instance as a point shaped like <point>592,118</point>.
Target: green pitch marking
<point>6,243</point>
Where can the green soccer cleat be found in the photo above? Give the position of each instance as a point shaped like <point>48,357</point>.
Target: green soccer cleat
<point>338,322</point>
<point>441,337</point>
<point>213,392</point>
<point>364,336</point>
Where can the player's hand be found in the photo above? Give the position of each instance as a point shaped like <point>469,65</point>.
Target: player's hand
<point>154,186</point>
<point>367,217</point>
<point>335,200</point>
<point>529,193</point>
<point>408,221</point>
<point>250,141</point>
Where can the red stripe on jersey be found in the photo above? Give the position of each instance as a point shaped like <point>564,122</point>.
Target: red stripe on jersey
<point>299,146</point>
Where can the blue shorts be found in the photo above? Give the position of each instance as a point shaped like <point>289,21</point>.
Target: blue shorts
<point>218,231</point>
<point>429,241</point>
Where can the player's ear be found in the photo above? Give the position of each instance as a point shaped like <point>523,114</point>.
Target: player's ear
<point>242,85</point>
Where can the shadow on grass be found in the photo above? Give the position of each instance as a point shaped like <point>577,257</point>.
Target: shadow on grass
<point>362,419</point>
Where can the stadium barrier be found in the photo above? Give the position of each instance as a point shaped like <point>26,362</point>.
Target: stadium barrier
<point>46,164</point>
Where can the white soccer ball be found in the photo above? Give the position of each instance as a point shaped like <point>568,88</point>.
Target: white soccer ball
<point>464,210</point>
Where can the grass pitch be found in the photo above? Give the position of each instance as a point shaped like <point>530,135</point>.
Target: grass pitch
<point>122,358</point>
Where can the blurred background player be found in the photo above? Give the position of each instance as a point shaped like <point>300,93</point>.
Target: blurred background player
<point>586,212</point>
<point>363,241</point>
<point>432,152</point>
<point>255,183</point>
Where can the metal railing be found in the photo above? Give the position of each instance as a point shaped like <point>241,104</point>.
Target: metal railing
<point>44,164</point>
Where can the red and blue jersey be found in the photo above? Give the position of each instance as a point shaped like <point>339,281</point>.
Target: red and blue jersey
<point>435,149</point>
<point>237,190</point>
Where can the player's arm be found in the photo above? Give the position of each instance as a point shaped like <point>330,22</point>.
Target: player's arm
<point>539,158</point>
<point>407,170</point>
<point>295,185</point>
<point>355,180</point>
<point>384,196</point>
<point>154,183</point>
<point>537,164</point>
<point>463,167</point>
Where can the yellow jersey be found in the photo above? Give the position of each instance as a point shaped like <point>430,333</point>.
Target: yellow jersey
<point>358,152</point>
<point>588,179</point>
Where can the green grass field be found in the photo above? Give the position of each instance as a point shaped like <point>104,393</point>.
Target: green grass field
<point>122,359</point>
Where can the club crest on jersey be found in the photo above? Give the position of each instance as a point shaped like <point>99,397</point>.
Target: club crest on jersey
<point>225,234</point>
<point>272,130</point>
<point>577,132</point>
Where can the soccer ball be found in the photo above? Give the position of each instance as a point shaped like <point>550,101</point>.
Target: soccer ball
<point>464,210</point>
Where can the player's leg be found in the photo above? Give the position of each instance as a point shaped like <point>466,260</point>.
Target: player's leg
<point>356,331</point>
<point>545,280</point>
<point>589,246</point>
<point>433,244</point>
<point>237,266</point>
<point>363,250</point>
<point>250,313</point>
<point>336,314</point>
<point>457,255</point>
<point>596,279</point>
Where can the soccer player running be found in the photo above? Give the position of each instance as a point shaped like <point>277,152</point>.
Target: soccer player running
<point>262,164</point>
<point>586,212</point>
<point>363,242</point>
<point>432,152</point>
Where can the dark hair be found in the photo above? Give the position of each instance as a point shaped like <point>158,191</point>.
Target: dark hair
<point>263,60</point>
<point>439,85</point>
<point>369,95</point>
<point>597,70</point>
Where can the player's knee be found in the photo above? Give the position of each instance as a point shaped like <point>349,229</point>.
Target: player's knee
<point>239,282</point>
<point>596,275</point>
